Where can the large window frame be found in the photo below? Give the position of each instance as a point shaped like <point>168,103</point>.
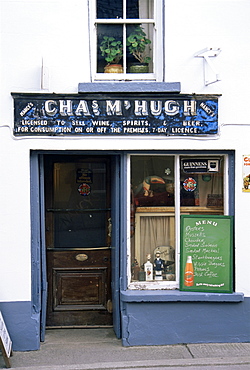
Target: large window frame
<point>176,212</point>
<point>157,45</point>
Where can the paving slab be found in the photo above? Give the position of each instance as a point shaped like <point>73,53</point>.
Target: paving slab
<point>175,364</point>
<point>88,346</point>
<point>99,349</point>
<point>219,350</point>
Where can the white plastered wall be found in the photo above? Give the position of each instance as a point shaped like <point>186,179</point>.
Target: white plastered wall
<point>57,31</point>
<point>195,25</point>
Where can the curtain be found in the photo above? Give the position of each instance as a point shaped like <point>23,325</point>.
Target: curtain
<point>155,231</point>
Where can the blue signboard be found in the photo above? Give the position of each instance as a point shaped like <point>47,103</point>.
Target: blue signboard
<point>130,114</point>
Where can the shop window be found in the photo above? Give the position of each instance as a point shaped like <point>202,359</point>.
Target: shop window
<point>159,195</point>
<point>126,35</point>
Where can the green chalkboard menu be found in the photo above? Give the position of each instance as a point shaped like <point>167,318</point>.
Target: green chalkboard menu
<point>206,258</point>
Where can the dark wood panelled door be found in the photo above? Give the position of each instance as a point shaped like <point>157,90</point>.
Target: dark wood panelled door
<point>78,227</point>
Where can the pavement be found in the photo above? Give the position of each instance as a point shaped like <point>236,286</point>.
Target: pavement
<point>99,349</point>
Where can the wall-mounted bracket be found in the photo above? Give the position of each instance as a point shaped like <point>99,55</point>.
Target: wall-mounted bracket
<point>210,73</point>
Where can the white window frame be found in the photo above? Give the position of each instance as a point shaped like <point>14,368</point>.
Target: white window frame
<point>158,53</point>
<point>168,285</point>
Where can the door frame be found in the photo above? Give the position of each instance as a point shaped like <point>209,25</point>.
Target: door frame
<point>38,247</point>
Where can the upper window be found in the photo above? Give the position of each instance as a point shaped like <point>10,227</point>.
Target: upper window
<point>126,35</point>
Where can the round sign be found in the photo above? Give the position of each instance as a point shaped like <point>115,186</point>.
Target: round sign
<point>189,184</point>
<point>84,189</point>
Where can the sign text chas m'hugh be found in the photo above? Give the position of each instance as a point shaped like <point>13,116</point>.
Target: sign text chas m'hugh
<point>115,116</point>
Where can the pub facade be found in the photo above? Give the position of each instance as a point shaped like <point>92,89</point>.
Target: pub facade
<point>124,163</point>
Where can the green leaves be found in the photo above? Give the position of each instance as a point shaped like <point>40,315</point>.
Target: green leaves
<point>111,49</point>
<point>136,42</point>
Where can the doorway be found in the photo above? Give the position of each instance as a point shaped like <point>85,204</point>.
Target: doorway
<point>78,240</point>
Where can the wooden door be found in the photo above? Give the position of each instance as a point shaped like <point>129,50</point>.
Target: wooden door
<point>78,227</point>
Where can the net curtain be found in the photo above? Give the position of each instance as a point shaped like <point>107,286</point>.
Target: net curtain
<point>155,231</point>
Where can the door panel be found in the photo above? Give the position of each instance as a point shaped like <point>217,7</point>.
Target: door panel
<point>82,289</point>
<point>78,241</point>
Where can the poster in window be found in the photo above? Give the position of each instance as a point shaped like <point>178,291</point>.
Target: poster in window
<point>246,174</point>
<point>206,254</point>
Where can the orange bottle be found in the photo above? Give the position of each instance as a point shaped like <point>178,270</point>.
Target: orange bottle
<point>189,272</point>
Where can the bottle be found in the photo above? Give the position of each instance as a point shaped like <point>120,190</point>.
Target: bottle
<point>189,272</point>
<point>148,268</point>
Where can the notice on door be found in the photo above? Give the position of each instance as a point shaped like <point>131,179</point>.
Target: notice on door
<point>206,261</point>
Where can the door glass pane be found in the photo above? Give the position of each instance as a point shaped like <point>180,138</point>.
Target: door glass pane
<point>80,205</point>
<point>152,217</point>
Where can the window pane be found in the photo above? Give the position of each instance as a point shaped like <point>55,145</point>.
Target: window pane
<point>109,9</point>
<point>152,217</point>
<point>135,9</point>
<point>202,184</point>
<point>154,242</point>
<point>139,48</point>
<point>152,180</point>
<point>109,45</point>
<point>139,9</point>
<point>132,10</point>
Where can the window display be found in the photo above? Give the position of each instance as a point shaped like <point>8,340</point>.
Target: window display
<point>197,188</point>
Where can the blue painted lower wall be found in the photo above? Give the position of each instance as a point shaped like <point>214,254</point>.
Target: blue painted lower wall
<point>149,323</point>
<point>23,325</point>
<point>160,323</point>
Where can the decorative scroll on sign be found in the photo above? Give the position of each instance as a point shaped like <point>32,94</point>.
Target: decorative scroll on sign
<point>129,114</point>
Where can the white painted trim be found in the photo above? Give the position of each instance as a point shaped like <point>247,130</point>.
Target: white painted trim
<point>157,22</point>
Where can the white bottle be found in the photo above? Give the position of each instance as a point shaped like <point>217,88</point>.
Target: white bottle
<point>148,268</point>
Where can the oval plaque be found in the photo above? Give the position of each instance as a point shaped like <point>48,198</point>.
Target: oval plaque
<point>81,257</point>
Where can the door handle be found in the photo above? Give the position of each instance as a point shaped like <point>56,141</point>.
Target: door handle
<point>109,227</point>
<point>81,257</point>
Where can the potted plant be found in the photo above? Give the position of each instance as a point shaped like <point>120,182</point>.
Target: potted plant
<point>137,43</point>
<point>113,52</point>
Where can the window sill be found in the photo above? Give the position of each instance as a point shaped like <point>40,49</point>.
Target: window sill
<point>153,285</point>
<point>178,296</point>
<point>125,77</point>
<point>122,86</point>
